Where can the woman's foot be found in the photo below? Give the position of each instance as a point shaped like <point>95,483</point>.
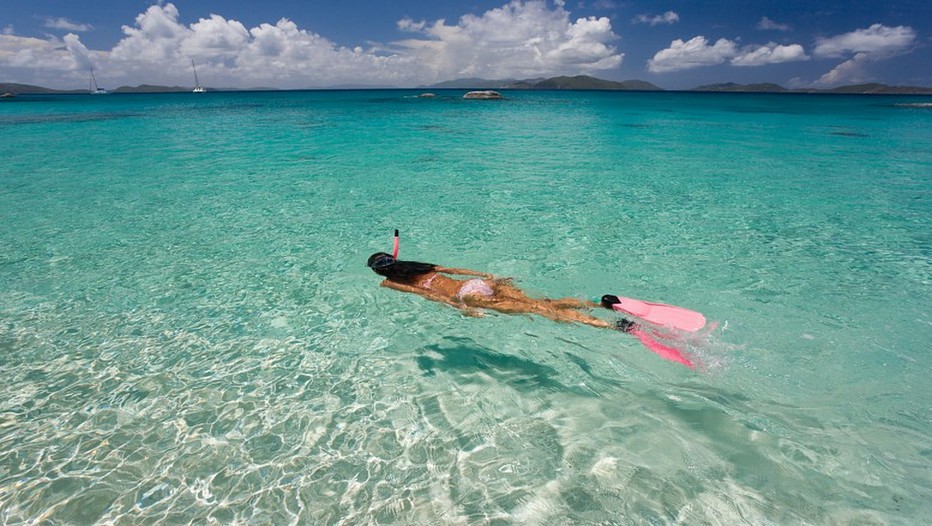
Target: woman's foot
<point>610,299</point>
<point>624,325</point>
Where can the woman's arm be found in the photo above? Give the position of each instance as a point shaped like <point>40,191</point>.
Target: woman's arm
<point>431,295</point>
<point>464,272</point>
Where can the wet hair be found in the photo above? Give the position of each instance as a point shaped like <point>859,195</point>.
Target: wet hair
<point>396,270</point>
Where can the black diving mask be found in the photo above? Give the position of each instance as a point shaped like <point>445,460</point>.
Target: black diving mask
<point>382,261</point>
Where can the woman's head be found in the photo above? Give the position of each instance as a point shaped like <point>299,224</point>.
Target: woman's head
<point>385,265</point>
<point>380,260</point>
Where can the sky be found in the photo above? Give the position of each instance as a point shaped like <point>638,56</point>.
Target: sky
<point>297,44</point>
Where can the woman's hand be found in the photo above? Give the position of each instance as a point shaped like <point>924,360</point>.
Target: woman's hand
<point>473,313</point>
<point>503,281</point>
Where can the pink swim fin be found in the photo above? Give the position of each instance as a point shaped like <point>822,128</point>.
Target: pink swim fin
<point>657,313</point>
<point>664,351</point>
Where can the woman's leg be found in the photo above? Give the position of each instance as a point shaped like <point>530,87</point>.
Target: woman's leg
<point>567,315</point>
<point>570,303</point>
<point>531,306</point>
<point>507,291</point>
<point>504,291</point>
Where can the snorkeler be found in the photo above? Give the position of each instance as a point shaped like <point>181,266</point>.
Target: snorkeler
<point>485,291</point>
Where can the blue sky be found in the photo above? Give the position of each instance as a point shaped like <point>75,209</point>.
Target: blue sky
<point>307,44</point>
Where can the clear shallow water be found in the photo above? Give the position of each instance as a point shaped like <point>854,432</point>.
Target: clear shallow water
<point>188,332</point>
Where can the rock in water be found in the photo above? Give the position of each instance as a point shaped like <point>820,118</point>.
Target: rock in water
<point>486,94</point>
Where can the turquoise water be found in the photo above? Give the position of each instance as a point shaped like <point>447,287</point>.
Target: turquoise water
<point>189,334</point>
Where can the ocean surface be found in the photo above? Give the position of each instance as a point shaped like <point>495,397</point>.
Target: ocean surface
<point>189,333</point>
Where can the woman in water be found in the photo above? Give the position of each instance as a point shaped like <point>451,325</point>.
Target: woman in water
<point>484,291</point>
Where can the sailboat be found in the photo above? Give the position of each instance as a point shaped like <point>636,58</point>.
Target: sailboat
<point>197,84</point>
<point>93,88</point>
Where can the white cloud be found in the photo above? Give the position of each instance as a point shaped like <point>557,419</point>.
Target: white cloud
<point>8,30</point>
<point>864,46</point>
<point>406,24</point>
<point>693,53</point>
<point>769,54</point>
<point>850,71</point>
<point>667,18</point>
<point>80,56</point>
<point>698,52</point>
<point>215,37</point>
<point>51,61</point>
<point>159,47</point>
<point>16,52</point>
<point>877,40</point>
<point>68,25</point>
<point>521,38</point>
<point>768,24</point>
<point>155,40</point>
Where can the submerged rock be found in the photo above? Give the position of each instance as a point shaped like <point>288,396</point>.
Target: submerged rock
<point>485,94</point>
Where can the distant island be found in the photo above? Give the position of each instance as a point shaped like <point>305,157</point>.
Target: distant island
<point>857,89</point>
<point>19,89</point>
<point>579,82</point>
<point>149,88</point>
<point>585,82</point>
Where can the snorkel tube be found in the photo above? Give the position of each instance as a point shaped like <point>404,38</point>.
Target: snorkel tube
<point>381,260</point>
